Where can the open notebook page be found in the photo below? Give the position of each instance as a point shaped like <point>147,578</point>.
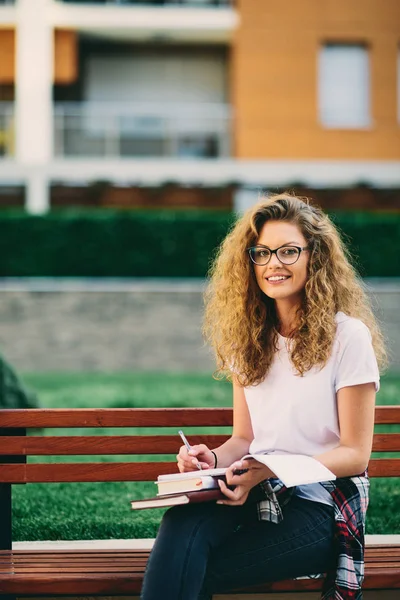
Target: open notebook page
<point>295,469</point>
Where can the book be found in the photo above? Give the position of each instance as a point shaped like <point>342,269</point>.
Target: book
<point>177,499</point>
<point>175,483</point>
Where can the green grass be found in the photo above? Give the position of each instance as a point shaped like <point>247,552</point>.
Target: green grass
<point>101,510</point>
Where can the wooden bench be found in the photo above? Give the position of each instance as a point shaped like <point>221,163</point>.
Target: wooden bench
<point>119,572</point>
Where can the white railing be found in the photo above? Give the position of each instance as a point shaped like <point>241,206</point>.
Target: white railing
<point>142,130</point>
<point>199,3</point>
<point>6,129</point>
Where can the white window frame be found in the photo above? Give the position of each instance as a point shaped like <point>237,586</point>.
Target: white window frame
<point>338,107</point>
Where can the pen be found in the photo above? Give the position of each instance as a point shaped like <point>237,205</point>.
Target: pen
<point>188,446</point>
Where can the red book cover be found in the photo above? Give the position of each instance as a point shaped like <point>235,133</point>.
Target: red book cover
<point>177,499</point>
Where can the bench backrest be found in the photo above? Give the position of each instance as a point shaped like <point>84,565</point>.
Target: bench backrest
<point>15,446</point>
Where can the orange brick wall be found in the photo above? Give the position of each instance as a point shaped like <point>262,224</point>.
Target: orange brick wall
<point>65,54</point>
<point>7,51</point>
<point>274,78</point>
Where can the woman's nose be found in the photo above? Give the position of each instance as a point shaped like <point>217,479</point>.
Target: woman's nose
<point>274,260</point>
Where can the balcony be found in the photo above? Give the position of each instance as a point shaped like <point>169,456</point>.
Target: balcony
<point>6,129</point>
<point>181,21</point>
<point>111,130</point>
<point>197,3</point>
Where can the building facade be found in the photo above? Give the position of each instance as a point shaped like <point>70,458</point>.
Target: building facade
<point>245,93</point>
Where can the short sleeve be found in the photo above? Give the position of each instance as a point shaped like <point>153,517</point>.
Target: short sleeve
<point>357,361</point>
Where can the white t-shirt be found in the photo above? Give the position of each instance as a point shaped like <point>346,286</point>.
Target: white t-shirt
<point>298,415</point>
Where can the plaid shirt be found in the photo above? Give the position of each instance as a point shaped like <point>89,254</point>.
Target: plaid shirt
<point>350,497</point>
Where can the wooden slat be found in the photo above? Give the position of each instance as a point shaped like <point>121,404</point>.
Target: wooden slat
<point>372,553</point>
<point>94,566</point>
<point>86,445</point>
<point>150,444</point>
<point>84,472</point>
<point>386,442</point>
<point>110,568</point>
<point>130,583</point>
<point>102,552</point>
<point>379,549</point>
<point>384,467</point>
<point>135,471</point>
<point>371,550</point>
<point>99,584</point>
<point>387,414</point>
<point>384,560</point>
<point>118,417</point>
<point>140,417</point>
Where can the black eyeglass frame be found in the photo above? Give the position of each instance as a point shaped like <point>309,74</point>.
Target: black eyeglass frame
<point>299,248</point>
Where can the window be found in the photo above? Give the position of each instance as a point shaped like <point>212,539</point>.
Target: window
<point>344,86</point>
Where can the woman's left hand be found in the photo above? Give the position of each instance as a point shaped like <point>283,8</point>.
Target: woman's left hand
<point>255,473</point>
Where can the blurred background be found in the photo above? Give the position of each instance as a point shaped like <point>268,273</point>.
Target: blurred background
<point>132,132</point>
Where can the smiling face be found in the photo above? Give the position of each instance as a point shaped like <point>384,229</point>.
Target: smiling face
<point>283,283</point>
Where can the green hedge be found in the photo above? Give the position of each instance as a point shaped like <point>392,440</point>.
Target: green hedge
<point>160,244</point>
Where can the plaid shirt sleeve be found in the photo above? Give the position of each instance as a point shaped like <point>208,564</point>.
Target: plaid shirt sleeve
<point>350,496</point>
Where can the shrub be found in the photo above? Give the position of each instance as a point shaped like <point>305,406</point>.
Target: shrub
<point>160,244</point>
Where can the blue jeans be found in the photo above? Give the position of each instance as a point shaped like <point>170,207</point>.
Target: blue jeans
<point>202,549</point>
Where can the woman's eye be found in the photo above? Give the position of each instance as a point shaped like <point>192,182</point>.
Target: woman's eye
<point>289,251</point>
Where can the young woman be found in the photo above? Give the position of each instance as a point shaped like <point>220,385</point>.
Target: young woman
<point>292,327</point>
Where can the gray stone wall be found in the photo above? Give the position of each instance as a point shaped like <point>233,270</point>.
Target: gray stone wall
<point>132,325</point>
<point>385,296</point>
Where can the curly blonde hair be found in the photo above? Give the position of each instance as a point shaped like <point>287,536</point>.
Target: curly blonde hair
<point>241,322</point>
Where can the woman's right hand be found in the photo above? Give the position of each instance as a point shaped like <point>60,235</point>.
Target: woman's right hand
<point>187,461</point>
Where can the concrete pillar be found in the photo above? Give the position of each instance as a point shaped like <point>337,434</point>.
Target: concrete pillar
<point>37,199</point>
<point>33,101</point>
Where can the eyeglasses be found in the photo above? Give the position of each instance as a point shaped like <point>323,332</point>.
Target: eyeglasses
<point>287,255</point>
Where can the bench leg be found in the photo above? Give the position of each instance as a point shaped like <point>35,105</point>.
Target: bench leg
<point>6,516</point>
<point>6,522</point>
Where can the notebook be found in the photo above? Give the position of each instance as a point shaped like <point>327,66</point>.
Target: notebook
<point>176,483</point>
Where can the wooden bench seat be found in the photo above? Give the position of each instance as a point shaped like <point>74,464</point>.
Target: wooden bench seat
<point>105,572</point>
<point>118,572</point>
